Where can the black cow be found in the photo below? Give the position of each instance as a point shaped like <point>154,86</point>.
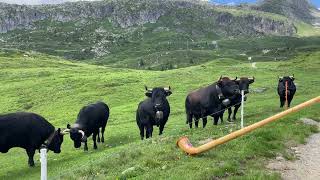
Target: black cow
<point>244,83</point>
<point>208,101</point>
<point>155,110</point>
<point>282,89</point>
<point>89,121</point>
<point>28,131</point>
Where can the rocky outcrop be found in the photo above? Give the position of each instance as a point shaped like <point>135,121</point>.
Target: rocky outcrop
<point>127,13</point>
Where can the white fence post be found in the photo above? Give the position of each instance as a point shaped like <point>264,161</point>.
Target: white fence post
<point>43,161</point>
<point>242,104</point>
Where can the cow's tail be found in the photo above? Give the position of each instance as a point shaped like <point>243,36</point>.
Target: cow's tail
<point>138,118</point>
<point>188,111</point>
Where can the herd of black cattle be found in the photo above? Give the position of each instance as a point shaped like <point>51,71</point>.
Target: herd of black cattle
<point>31,131</point>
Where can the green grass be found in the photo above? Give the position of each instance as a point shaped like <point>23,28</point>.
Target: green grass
<point>57,89</point>
<point>306,30</point>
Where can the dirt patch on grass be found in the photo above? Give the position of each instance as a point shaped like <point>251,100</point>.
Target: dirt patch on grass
<point>308,159</point>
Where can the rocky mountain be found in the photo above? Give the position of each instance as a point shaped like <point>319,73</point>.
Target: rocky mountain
<point>127,13</point>
<point>148,34</point>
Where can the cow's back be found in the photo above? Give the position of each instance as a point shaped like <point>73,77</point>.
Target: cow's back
<point>23,129</point>
<point>202,99</point>
<point>94,115</point>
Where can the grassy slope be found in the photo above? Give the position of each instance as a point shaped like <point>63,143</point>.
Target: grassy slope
<point>57,89</point>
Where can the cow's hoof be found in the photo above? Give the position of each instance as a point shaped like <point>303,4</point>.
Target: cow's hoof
<point>95,147</point>
<point>98,140</point>
<point>31,164</point>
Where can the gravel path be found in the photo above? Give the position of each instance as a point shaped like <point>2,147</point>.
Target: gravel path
<point>307,165</point>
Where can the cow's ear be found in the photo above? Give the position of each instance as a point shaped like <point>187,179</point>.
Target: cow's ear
<point>59,130</point>
<point>69,126</point>
<point>148,93</point>
<point>168,93</point>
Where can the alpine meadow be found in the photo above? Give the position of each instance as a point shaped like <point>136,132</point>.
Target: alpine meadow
<point>56,59</point>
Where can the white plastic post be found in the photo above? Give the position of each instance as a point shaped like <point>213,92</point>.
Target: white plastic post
<point>242,104</point>
<point>43,161</point>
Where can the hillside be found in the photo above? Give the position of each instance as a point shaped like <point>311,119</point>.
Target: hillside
<point>157,34</point>
<point>294,9</point>
<point>57,89</point>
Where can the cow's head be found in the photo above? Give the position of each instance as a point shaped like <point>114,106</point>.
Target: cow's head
<point>158,97</point>
<point>56,141</point>
<point>77,135</point>
<point>244,83</point>
<point>228,87</point>
<point>286,78</point>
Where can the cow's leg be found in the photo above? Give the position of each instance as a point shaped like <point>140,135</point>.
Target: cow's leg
<point>221,117</point>
<point>149,131</point>
<point>161,129</point>
<point>189,120</point>
<point>85,146</point>
<point>141,128</point>
<point>229,113</point>
<point>282,101</point>
<point>236,108</point>
<point>98,139</point>
<point>196,122</point>
<point>94,138</point>
<point>204,122</point>
<point>289,100</point>
<point>102,133</point>
<point>216,119</point>
<point>30,152</point>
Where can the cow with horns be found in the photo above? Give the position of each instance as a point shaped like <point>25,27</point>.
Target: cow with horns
<point>154,110</point>
<point>28,131</point>
<point>89,121</point>
<point>210,100</point>
<point>286,89</point>
<point>244,83</point>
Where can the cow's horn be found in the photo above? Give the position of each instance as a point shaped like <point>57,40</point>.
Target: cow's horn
<point>292,76</point>
<point>167,89</point>
<point>64,132</point>
<point>80,131</point>
<point>236,78</point>
<point>147,88</point>
<point>280,77</point>
<point>220,78</point>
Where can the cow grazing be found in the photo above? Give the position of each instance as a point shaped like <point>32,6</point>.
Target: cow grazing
<point>244,83</point>
<point>282,89</point>
<point>155,110</point>
<point>208,101</point>
<point>28,131</point>
<point>89,121</point>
